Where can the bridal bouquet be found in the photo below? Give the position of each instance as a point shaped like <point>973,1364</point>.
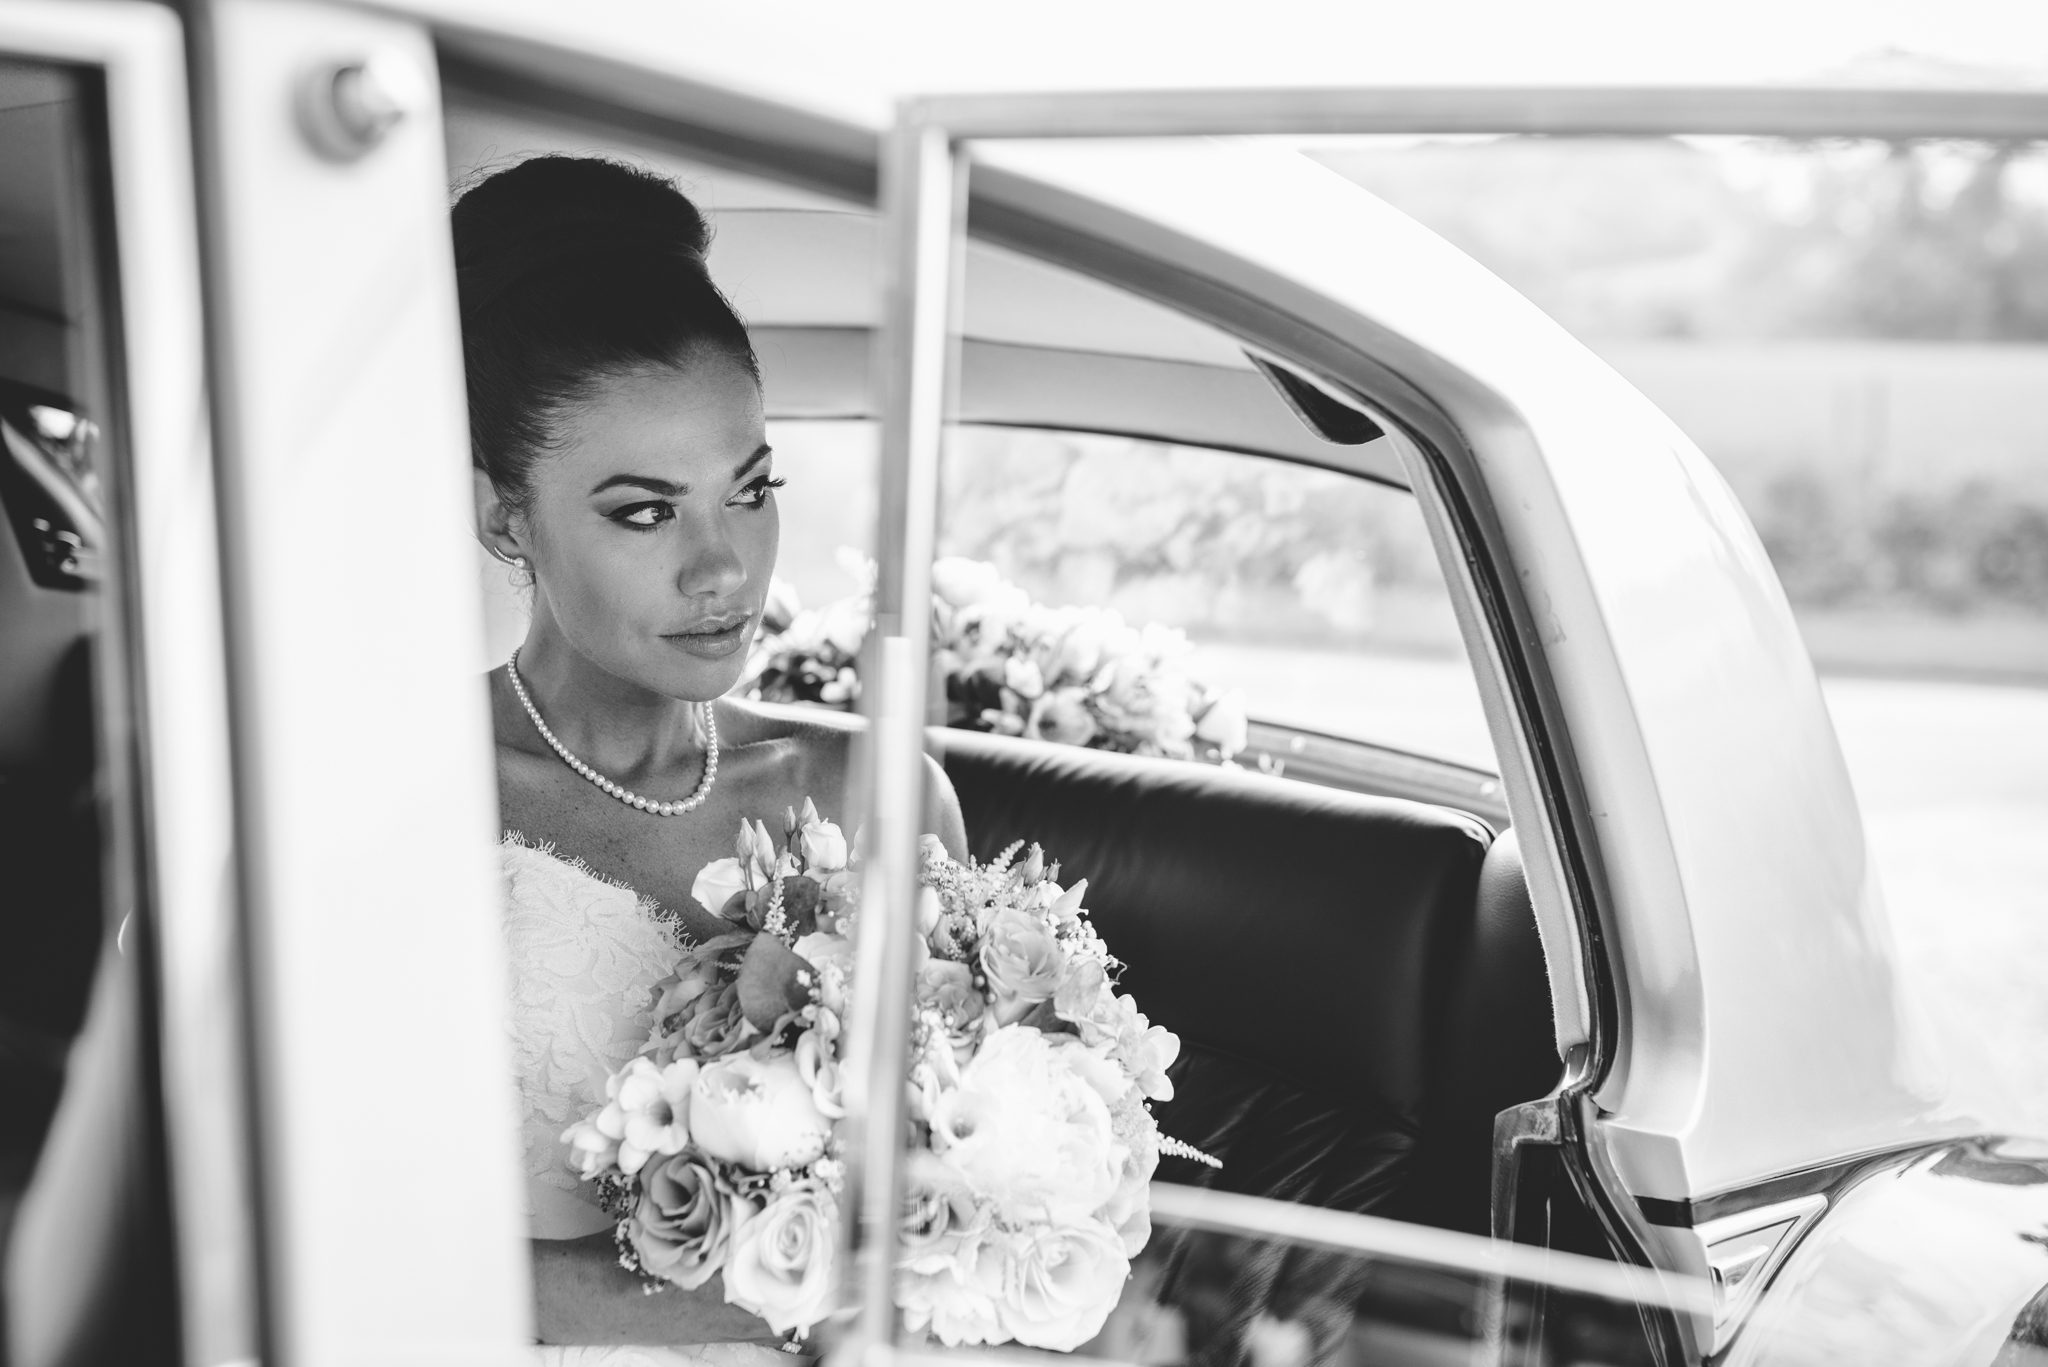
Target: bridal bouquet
<point>1030,1076</point>
<point>1074,675</point>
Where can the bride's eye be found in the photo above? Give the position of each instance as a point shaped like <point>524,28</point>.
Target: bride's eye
<point>644,515</point>
<point>756,493</point>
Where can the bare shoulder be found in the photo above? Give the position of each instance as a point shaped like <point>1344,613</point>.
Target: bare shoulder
<point>781,747</point>
<point>808,752</point>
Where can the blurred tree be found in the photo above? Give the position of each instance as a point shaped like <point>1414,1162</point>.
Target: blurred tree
<point>1660,237</point>
<point>1927,241</point>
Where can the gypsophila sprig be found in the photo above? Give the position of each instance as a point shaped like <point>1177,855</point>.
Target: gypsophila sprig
<point>717,1150</point>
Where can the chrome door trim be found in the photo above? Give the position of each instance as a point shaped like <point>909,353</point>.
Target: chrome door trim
<point>364,774</point>
<point>921,188</point>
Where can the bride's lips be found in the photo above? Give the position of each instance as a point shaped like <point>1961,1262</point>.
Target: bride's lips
<point>714,640</point>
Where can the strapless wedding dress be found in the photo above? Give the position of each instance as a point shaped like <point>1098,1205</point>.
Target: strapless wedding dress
<point>585,954</point>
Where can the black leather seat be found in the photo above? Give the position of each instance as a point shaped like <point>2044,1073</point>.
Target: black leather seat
<point>1357,985</point>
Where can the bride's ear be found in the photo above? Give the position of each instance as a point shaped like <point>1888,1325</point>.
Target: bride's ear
<point>496,527</point>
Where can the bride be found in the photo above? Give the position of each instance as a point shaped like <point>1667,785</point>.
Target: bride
<point>622,471</point>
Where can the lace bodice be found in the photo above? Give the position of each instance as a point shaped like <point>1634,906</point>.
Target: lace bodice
<point>585,954</point>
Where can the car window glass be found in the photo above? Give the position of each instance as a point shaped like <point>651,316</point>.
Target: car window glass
<point>1312,595</point>
<point>1855,334</point>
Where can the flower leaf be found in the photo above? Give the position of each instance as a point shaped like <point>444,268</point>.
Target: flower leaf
<point>768,983</point>
<point>800,896</point>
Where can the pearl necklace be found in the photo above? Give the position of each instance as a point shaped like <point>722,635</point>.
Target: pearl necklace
<point>626,795</point>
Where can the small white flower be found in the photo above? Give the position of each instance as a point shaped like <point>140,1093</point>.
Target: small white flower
<point>591,1150</point>
<point>649,1110</point>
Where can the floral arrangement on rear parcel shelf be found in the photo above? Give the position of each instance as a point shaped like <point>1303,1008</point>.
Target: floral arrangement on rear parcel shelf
<point>1030,1075</point>
<point>1075,675</point>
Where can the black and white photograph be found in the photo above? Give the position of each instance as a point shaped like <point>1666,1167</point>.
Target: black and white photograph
<point>907,683</point>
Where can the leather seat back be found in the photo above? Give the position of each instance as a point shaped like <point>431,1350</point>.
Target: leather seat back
<point>1496,1050</point>
<point>1307,944</point>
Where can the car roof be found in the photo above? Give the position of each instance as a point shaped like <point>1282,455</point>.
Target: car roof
<point>1767,1026</point>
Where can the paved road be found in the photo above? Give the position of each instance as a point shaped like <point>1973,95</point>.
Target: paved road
<point>1953,780</point>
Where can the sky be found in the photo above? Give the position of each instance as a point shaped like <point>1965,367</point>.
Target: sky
<point>853,56</point>
<point>1201,42</point>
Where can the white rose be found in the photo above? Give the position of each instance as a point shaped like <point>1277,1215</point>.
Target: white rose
<point>951,1272</point>
<point>1023,677</point>
<point>1064,1280</point>
<point>1079,653</point>
<point>824,848</point>
<point>843,625</point>
<point>716,883</point>
<point>1026,1132</point>
<point>962,583</point>
<point>1224,725</point>
<point>757,1113</point>
<point>648,1111</point>
<point>780,1263</point>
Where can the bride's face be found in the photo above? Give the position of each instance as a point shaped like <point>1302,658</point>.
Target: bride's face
<point>653,526</point>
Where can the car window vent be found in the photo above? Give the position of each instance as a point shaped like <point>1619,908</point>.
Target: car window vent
<point>1322,412</point>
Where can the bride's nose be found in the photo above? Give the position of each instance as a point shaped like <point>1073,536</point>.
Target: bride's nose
<point>711,566</point>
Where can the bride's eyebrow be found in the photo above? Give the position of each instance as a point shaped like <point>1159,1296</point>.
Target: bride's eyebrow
<point>647,482</point>
<point>670,490</point>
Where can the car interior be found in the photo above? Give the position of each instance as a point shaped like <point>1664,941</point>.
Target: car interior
<point>49,541</point>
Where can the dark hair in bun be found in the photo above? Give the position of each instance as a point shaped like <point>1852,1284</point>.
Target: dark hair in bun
<point>572,270</point>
